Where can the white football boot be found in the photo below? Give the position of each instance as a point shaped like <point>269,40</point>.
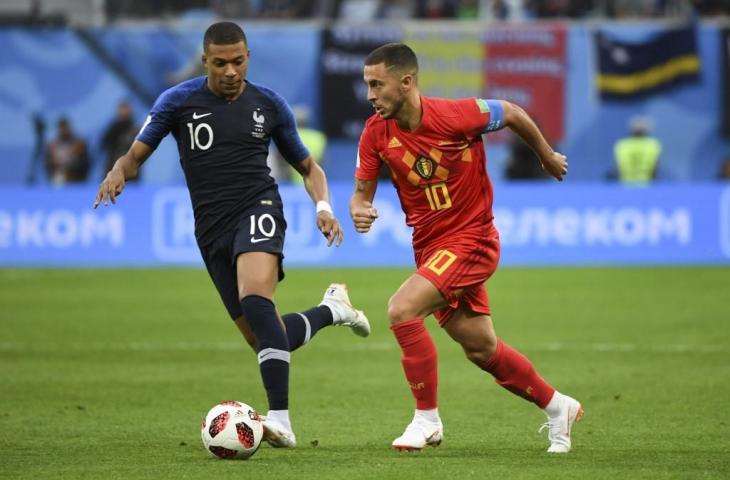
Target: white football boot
<point>418,434</point>
<point>564,411</point>
<point>343,313</point>
<point>277,435</point>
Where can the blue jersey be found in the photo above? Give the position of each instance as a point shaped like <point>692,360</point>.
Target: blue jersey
<point>223,147</point>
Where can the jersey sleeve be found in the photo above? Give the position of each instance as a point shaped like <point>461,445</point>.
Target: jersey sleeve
<point>480,116</point>
<point>161,118</point>
<point>285,134</point>
<point>367,166</point>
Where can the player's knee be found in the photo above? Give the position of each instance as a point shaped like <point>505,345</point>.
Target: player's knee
<point>478,357</point>
<point>398,311</point>
<point>480,353</point>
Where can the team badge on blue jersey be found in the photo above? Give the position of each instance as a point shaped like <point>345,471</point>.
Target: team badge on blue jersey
<point>258,127</point>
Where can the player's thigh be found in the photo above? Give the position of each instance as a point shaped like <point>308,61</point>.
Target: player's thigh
<point>459,270</point>
<point>474,331</point>
<point>417,297</point>
<point>257,274</point>
<point>258,250</point>
<point>222,271</point>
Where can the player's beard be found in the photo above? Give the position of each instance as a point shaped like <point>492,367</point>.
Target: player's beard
<point>394,109</point>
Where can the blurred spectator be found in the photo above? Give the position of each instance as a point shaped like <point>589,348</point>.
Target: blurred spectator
<point>711,8</point>
<point>193,68</point>
<point>284,9</point>
<point>561,8</point>
<point>396,10</point>
<point>522,163</point>
<point>357,9</point>
<point>435,9</point>
<point>633,8</point>
<point>724,169</point>
<point>39,147</point>
<point>467,9</point>
<point>499,10</point>
<point>118,136</point>
<point>231,8</point>
<point>637,155</point>
<point>67,160</point>
<point>402,9</point>
<point>314,140</point>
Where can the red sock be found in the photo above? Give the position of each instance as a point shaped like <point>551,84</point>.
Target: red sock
<point>420,361</point>
<point>513,371</point>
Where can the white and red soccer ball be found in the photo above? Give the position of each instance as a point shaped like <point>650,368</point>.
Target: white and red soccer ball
<point>232,430</point>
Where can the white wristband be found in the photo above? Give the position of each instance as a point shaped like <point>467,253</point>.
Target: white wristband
<point>323,206</point>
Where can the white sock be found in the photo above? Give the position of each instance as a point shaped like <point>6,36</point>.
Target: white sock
<point>431,416</point>
<point>281,417</point>
<point>553,407</point>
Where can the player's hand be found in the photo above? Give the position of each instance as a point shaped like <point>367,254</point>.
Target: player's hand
<point>363,216</point>
<point>556,165</point>
<point>110,188</point>
<point>330,228</point>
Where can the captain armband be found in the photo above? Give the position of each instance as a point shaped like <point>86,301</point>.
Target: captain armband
<point>496,114</point>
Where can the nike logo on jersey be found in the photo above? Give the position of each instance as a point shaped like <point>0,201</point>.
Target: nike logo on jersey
<point>257,240</point>
<point>196,116</point>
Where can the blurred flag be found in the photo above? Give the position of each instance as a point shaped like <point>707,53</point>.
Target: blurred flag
<point>343,94</point>
<point>528,65</point>
<point>628,70</point>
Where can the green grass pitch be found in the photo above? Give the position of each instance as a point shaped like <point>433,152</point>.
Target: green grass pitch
<point>107,374</point>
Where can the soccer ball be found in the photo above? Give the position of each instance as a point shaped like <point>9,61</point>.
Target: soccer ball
<point>232,430</point>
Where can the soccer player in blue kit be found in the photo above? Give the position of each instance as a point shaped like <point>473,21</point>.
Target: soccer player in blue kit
<point>223,125</point>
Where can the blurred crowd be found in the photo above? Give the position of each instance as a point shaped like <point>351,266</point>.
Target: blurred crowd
<point>99,12</point>
<point>420,9</point>
<point>68,158</point>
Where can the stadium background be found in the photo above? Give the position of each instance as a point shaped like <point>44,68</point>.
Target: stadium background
<point>113,342</point>
<point>84,71</point>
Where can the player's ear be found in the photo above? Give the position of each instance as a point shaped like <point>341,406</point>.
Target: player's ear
<point>407,82</point>
<point>204,59</point>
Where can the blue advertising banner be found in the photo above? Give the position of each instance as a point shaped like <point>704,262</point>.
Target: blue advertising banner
<point>539,225</point>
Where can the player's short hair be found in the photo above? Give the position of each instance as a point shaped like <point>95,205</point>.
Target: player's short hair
<point>397,56</point>
<point>223,33</point>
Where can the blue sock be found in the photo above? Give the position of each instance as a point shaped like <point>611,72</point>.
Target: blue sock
<point>272,347</point>
<point>301,327</point>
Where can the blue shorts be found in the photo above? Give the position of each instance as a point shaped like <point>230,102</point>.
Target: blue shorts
<point>260,229</point>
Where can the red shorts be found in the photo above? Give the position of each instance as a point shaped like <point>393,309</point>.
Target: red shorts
<point>458,269</point>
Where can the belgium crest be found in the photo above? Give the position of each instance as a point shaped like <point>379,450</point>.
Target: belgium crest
<point>424,168</point>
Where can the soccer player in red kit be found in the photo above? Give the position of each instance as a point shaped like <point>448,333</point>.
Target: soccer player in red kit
<point>435,153</point>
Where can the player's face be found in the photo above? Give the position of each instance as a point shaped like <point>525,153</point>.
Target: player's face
<point>385,90</point>
<point>227,66</point>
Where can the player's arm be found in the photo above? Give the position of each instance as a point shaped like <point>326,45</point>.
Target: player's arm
<point>315,182</point>
<point>517,120</point>
<point>126,167</point>
<point>361,205</point>
<point>155,128</point>
<point>292,148</point>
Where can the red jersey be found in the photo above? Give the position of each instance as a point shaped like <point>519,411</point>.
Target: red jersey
<point>439,170</point>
